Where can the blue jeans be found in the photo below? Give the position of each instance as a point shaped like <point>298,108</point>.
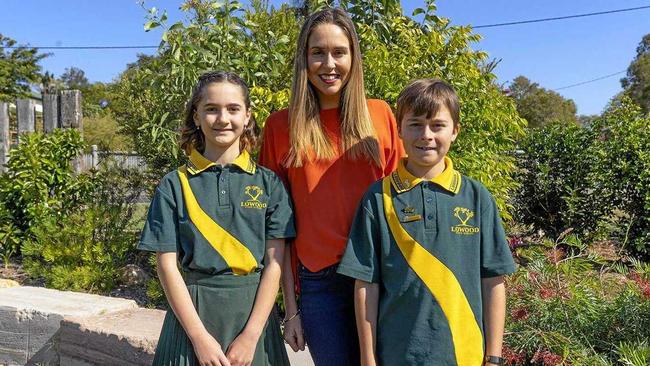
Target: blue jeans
<point>327,306</point>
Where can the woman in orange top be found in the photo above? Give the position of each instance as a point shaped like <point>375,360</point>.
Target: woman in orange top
<point>328,147</point>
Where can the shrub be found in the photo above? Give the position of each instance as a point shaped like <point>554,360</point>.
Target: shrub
<point>595,180</point>
<point>259,44</point>
<point>567,307</point>
<point>9,236</point>
<point>39,182</point>
<point>622,173</point>
<point>86,249</point>
<point>555,166</point>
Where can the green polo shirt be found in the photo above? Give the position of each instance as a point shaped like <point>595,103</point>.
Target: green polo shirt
<point>218,218</point>
<point>428,244</point>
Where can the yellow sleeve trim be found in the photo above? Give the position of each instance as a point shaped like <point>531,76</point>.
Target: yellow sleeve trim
<point>236,254</point>
<point>444,286</point>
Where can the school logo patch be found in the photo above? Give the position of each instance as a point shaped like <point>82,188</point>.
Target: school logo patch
<point>254,193</point>
<point>464,215</point>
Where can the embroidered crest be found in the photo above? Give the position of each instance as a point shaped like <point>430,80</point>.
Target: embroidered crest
<point>464,215</point>
<point>254,192</point>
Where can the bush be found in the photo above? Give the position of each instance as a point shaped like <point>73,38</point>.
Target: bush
<point>555,170</point>
<point>622,173</point>
<point>9,236</point>
<point>103,131</point>
<point>595,180</point>
<point>567,307</point>
<point>86,249</point>
<point>39,183</point>
<point>259,44</point>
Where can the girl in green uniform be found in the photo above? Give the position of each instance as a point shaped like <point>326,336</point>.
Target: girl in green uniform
<point>222,220</point>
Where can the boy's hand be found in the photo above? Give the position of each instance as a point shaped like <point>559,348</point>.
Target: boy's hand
<point>293,334</point>
<point>242,350</point>
<point>208,351</point>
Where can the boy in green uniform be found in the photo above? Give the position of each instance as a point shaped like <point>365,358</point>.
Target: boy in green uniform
<point>428,250</point>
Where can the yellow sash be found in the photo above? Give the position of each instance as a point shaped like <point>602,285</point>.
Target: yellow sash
<point>236,255</point>
<point>440,280</point>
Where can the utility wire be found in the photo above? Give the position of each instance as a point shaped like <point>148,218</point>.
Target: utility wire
<point>590,81</point>
<point>82,47</point>
<point>560,18</point>
<point>475,27</point>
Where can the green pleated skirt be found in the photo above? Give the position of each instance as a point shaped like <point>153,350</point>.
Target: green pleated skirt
<point>224,303</point>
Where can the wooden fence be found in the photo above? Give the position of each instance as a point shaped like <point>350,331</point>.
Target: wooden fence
<point>123,159</point>
<point>60,110</point>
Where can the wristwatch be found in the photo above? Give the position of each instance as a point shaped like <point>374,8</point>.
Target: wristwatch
<point>494,360</point>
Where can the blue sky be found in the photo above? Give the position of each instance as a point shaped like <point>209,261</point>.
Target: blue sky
<point>554,54</point>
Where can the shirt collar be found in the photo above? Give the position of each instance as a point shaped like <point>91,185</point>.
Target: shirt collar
<point>449,179</point>
<point>197,163</point>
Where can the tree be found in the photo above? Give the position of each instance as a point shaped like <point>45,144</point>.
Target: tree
<point>540,106</point>
<point>259,42</point>
<point>74,78</point>
<point>637,81</point>
<point>18,69</point>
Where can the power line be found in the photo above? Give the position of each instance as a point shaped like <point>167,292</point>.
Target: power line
<point>475,27</point>
<point>82,47</point>
<point>560,18</point>
<point>590,81</point>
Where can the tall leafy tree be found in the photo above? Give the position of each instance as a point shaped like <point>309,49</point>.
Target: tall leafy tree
<point>637,81</point>
<point>258,42</point>
<point>540,106</point>
<point>19,69</point>
<point>74,78</point>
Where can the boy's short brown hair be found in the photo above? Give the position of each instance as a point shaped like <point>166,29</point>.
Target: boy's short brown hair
<point>425,96</point>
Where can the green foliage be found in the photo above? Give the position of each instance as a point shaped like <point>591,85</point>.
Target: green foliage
<point>259,44</point>
<point>93,94</point>
<point>566,307</point>
<point>633,354</point>
<point>622,173</point>
<point>155,292</point>
<point>39,182</point>
<point>555,165</point>
<point>74,78</point>
<point>104,131</point>
<point>18,69</point>
<point>637,82</point>
<point>489,123</point>
<point>540,106</point>
<point>9,236</point>
<point>86,249</point>
<point>590,179</point>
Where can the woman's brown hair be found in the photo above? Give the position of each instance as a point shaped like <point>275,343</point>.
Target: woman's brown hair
<point>192,137</point>
<point>307,139</point>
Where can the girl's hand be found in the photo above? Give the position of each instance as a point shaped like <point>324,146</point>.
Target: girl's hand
<point>293,334</point>
<point>208,351</point>
<point>242,350</point>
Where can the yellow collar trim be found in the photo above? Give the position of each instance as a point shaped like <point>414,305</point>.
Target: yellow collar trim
<point>198,163</point>
<point>449,179</point>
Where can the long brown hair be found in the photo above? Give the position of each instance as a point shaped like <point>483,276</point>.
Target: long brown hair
<point>192,137</point>
<point>307,138</point>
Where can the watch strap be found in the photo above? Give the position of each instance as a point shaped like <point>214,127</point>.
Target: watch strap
<point>495,360</point>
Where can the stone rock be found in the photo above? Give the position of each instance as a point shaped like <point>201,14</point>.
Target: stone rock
<point>133,275</point>
<point>6,283</point>
<point>31,316</point>
<point>127,337</point>
<point>300,358</point>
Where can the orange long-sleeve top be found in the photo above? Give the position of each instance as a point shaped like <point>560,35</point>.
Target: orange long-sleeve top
<point>326,193</point>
